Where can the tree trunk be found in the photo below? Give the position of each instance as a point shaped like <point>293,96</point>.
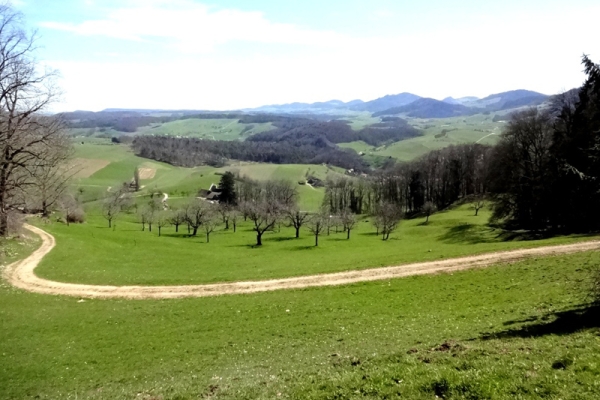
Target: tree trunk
<point>3,213</point>
<point>195,231</point>
<point>259,239</point>
<point>476,211</point>
<point>45,212</point>
<point>226,224</point>
<point>234,227</point>
<point>110,223</point>
<point>207,237</point>
<point>316,240</point>
<point>427,220</point>
<point>149,227</point>
<point>159,231</point>
<point>297,232</point>
<point>176,228</point>
<point>348,237</point>
<point>143,226</point>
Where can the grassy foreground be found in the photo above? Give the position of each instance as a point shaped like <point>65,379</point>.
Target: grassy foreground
<point>505,332</point>
<point>93,253</point>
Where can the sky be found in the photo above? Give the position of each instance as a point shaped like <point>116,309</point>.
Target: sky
<point>234,54</point>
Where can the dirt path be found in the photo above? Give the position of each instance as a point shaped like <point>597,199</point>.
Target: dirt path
<point>21,275</point>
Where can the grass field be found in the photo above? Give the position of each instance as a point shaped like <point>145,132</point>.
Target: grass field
<point>519,331</point>
<point>182,182</point>
<point>459,130</point>
<point>511,331</point>
<point>128,256</point>
<point>215,129</point>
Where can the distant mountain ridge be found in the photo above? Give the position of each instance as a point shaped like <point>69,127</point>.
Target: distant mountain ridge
<point>402,103</point>
<point>382,103</point>
<point>450,107</point>
<point>416,106</point>
<point>428,108</point>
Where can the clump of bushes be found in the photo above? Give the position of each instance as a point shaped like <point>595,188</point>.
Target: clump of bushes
<point>76,216</point>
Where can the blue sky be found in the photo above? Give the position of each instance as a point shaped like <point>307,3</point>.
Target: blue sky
<point>232,54</point>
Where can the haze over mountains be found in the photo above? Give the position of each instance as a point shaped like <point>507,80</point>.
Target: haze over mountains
<point>402,104</point>
<point>416,106</point>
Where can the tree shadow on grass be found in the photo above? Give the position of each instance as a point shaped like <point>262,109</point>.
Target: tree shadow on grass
<point>582,317</point>
<point>280,239</point>
<point>300,248</point>
<point>369,234</point>
<point>180,235</point>
<point>467,234</point>
<point>474,234</point>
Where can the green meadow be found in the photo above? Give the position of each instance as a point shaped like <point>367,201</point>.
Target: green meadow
<point>215,129</point>
<point>437,134</point>
<point>524,330</point>
<point>182,182</point>
<point>92,253</point>
<point>509,331</point>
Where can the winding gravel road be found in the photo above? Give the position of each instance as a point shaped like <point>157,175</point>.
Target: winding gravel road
<point>21,274</point>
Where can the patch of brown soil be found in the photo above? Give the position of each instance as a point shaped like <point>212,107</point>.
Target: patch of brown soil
<point>87,167</point>
<point>147,173</point>
<point>21,274</point>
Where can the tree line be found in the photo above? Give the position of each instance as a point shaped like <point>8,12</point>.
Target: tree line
<point>266,206</point>
<point>439,178</point>
<point>190,152</point>
<point>546,168</point>
<point>33,147</point>
<point>336,131</point>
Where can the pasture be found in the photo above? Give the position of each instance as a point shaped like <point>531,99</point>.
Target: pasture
<point>437,134</point>
<point>523,330</point>
<point>127,256</point>
<point>120,163</point>
<point>214,129</point>
<point>509,331</point>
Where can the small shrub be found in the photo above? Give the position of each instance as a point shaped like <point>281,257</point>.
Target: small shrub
<point>76,217</point>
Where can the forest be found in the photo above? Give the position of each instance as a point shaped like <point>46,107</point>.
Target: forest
<point>189,152</point>
<point>544,175</point>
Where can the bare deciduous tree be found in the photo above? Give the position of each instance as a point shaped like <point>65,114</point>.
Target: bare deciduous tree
<point>50,176</point>
<point>210,221</point>
<point>195,213</point>
<point>234,216</point>
<point>477,204</point>
<point>387,216</point>
<point>163,218</point>
<point>71,209</point>
<point>428,209</point>
<point>26,136</point>
<point>177,218</point>
<point>225,210</point>
<point>295,218</point>
<point>348,220</point>
<point>115,202</point>
<point>264,214</point>
<point>317,224</point>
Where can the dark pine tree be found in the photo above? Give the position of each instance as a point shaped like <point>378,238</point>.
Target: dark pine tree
<point>227,186</point>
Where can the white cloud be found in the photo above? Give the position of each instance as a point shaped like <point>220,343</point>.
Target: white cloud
<point>196,27</point>
<point>483,56</point>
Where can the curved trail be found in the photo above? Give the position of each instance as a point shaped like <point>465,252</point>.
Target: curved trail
<point>21,274</point>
